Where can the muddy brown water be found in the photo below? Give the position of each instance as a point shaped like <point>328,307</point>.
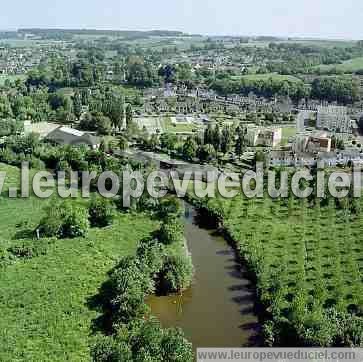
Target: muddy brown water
<point>218,309</point>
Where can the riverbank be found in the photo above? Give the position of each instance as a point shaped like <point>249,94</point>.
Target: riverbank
<point>305,261</point>
<point>218,309</point>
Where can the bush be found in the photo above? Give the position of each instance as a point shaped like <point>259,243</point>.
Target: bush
<point>65,220</point>
<point>36,163</point>
<point>171,232</point>
<point>51,225</point>
<point>129,285</point>
<point>107,349</point>
<point>170,208</point>
<point>177,274</point>
<point>151,254</point>
<point>352,333</point>
<point>75,223</point>
<point>101,212</point>
<point>143,340</point>
<point>175,347</point>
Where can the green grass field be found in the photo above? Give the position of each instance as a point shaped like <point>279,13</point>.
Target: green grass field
<point>44,299</point>
<point>287,132</point>
<point>267,76</point>
<point>306,42</point>
<point>177,128</point>
<point>350,66</point>
<point>325,43</point>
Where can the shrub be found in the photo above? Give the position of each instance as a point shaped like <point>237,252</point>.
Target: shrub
<point>170,208</point>
<point>177,274</point>
<point>36,163</point>
<point>76,222</point>
<point>65,220</point>
<point>107,349</point>
<point>352,333</point>
<point>101,212</point>
<point>63,166</point>
<point>151,254</point>
<point>29,249</point>
<point>175,347</point>
<point>129,285</point>
<point>143,340</point>
<point>171,232</point>
<point>51,225</point>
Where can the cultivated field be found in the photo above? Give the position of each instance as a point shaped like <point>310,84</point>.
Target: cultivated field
<point>308,262</point>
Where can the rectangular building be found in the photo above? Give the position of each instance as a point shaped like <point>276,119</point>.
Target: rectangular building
<point>334,119</point>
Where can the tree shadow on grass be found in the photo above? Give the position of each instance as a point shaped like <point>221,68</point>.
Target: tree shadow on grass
<point>101,304</point>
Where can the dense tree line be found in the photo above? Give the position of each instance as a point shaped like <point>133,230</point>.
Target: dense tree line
<point>334,89</point>
<point>265,88</point>
<point>341,89</point>
<point>131,333</point>
<point>214,142</point>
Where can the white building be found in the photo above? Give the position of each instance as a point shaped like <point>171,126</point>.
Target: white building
<point>334,119</point>
<point>270,137</point>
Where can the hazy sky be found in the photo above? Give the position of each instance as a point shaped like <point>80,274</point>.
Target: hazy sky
<point>315,18</point>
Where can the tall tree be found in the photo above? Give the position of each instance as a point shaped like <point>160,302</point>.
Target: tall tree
<point>217,138</point>
<point>190,148</point>
<point>208,135</point>
<point>226,139</point>
<point>129,114</point>
<point>77,104</point>
<point>241,141</point>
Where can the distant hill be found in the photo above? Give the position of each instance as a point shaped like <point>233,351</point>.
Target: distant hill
<point>69,33</point>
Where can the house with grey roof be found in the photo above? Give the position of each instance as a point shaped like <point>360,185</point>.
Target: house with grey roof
<point>70,136</point>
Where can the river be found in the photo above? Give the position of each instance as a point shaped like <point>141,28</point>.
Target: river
<point>218,309</point>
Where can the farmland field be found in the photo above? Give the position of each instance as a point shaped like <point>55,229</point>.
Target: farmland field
<point>28,43</point>
<point>157,43</point>
<point>308,264</point>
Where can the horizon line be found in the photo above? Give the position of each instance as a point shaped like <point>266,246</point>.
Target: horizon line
<point>184,33</point>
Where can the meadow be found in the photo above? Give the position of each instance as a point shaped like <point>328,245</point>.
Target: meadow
<point>264,77</point>
<point>326,43</point>
<point>288,132</point>
<point>177,128</point>
<point>47,285</point>
<point>349,66</point>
